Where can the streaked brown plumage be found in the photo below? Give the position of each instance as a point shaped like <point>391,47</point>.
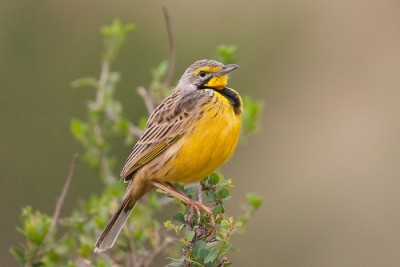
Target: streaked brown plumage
<point>189,135</point>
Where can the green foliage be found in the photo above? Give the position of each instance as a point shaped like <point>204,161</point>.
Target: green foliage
<point>114,38</point>
<point>227,54</point>
<point>200,244</point>
<point>143,238</point>
<point>251,115</point>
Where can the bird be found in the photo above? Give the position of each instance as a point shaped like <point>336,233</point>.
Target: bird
<point>188,136</point>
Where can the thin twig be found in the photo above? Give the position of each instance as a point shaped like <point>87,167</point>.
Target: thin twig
<point>200,192</point>
<point>147,98</point>
<point>172,50</point>
<point>189,219</point>
<point>61,199</point>
<point>105,72</point>
<point>223,261</point>
<point>133,129</point>
<point>167,241</point>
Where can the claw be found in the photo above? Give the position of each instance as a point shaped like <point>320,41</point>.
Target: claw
<point>171,189</point>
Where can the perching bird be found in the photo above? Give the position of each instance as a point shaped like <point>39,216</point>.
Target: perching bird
<point>188,136</point>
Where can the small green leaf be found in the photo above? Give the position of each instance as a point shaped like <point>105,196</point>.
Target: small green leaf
<point>84,82</point>
<point>202,254</point>
<point>199,245</point>
<point>85,250</point>
<point>160,71</point>
<point>213,179</point>
<point>224,224</point>
<point>123,125</point>
<point>211,195</point>
<point>190,191</point>
<point>189,235</point>
<point>217,210</point>
<point>18,255</point>
<point>78,129</point>
<point>168,224</point>
<point>238,224</point>
<point>226,54</point>
<point>223,193</point>
<point>211,256</point>
<point>179,218</point>
<point>254,200</point>
<point>251,115</point>
<point>142,122</point>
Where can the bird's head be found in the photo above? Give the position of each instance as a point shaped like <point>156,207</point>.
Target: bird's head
<point>206,73</point>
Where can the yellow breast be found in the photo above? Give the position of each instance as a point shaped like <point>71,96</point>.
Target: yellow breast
<point>210,143</point>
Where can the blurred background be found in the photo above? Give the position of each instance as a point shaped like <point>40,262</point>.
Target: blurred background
<point>327,159</point>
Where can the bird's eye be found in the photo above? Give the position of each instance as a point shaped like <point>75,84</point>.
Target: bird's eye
<point>202,74</point>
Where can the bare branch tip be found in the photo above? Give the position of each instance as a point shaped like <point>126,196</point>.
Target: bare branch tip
<point>172,50</point>
<point>61,199</point>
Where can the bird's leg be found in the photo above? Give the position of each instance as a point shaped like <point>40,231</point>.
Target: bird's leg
<point>188,201</point>
<point>198,206</point>
<point>172,190</point>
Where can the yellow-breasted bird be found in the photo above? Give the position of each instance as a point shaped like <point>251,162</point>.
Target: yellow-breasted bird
<point>188,136</point>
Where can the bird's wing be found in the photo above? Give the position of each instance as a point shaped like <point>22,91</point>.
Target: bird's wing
<point>167,124</point>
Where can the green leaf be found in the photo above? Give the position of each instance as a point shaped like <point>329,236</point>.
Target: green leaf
<point>18,255</point>
<point>85,250</point>
<point>179,218</point>
<point>84,82</point>
<point>168,224</point>
<point>180,187</point>
<point>211,195</point>
<point>78,129</point>
<point>190,191</point>
<point>142,122</point>
<point>199,245</point>
<point>36,227</point>
<point>226,54</point>
<point>211,256</point>
<point>251,115</point>
<point>159,72</point>
<point>202,254</point>
<point>195,261</point>
<point>238,224</point>
<point>223,193</point>
<point>225,224</point>
<point>217,210</point>
<point>114,37</point>
<point>254,200</point>
<point>213,179</point>
<point>189,235</point>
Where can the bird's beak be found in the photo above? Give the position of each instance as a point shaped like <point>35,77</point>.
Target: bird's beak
<point>226,69</point>
<point>220,79</point>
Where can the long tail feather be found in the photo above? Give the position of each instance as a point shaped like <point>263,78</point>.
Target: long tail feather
<point>107,238</point>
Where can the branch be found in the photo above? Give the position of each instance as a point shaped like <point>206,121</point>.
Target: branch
<point>200,192</point>
<point>172,51</point>
<point>133,129</point>
<point>147,98</point>
<point>105,72</point>
<point>223,261</point>
<point>61,199</point>
<point>167,241</point>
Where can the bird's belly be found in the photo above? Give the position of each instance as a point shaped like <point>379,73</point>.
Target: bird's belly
<point>210,143</point>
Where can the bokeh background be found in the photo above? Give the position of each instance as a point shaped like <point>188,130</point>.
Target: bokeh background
<point>327,159</point>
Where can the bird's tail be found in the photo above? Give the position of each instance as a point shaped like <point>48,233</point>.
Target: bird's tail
<point>107,238</point>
